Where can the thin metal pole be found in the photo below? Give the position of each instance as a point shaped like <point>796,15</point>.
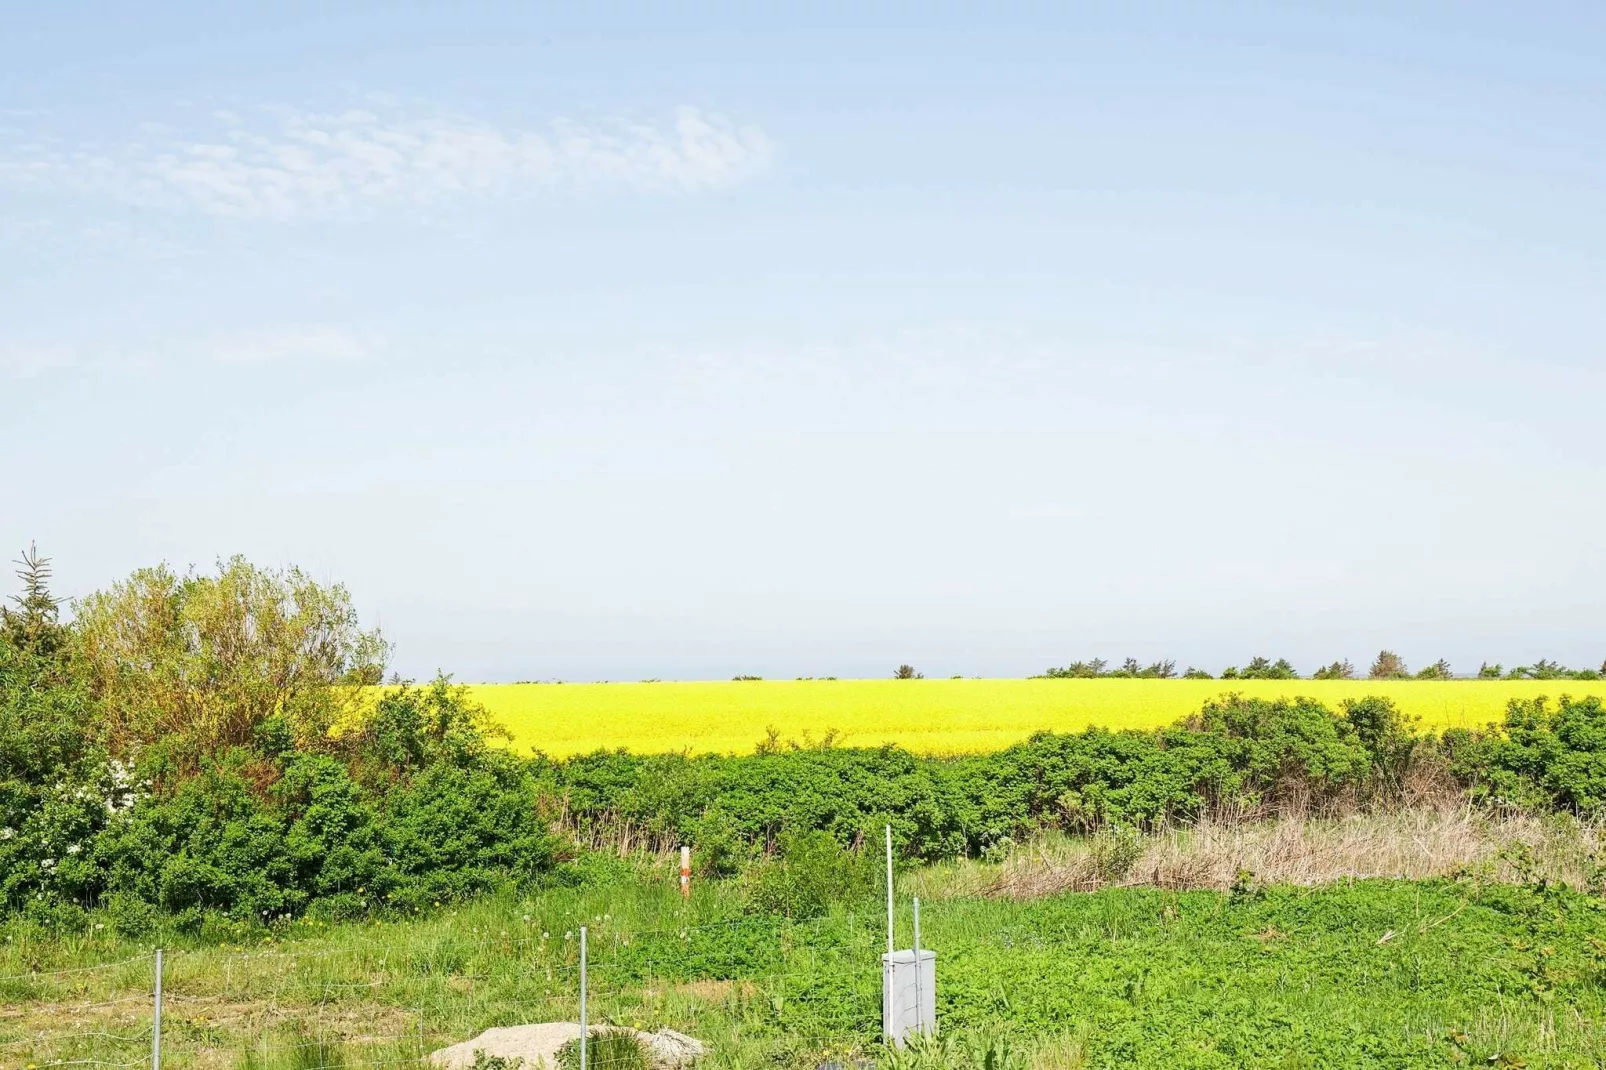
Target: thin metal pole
<point>920,1004</point>
<point>156,1020</point>
<point>891,947</point>
<point>582,997</point>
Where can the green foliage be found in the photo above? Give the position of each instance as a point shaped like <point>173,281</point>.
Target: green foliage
<point>1439,670</point>
<point>1196,674</point>
<point>907,672</point>
<point>1552,670</point>
<point>200,662</point>
<point>809,871</point>
<point>1078,670</point>
<point>1261,669</point>
<point>294,1049</point>
<point>33,628</point>
<point>1388,666</point>
<point>984,1050</point>
<point>1547,755</point>
<point>1366,974</point>
<point>608,1049</point>
<point>1131,669</point>
<point>199,748</point>
<point>1338,670</point>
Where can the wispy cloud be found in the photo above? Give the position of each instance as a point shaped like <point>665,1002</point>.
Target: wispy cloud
<point>298,164</point>
<point>290,344</point>
<point>297,343</point>
<point>24,360</point>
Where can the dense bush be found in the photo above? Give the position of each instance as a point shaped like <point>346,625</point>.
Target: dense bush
<point>809,871</point>
<point>1547,756</point>
<point>200,746</point>
<point>1237,752</point>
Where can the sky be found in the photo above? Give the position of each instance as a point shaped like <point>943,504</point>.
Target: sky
<point>619,341</point>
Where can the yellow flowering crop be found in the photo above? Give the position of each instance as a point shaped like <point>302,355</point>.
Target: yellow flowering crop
<point>932,716</point>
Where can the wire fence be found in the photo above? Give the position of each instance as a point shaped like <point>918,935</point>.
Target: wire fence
<point>802,986</point>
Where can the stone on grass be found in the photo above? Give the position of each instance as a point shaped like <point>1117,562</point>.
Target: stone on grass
<point>536,1046</point>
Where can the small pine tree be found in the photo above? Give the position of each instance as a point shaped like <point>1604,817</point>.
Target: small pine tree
<point>34,626</point>
<point>907,672</point>
<point>1439,670</point>
<point>1338,670</point>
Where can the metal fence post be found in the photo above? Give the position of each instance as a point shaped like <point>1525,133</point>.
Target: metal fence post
<point>920,1004</point>
<point>156,1020</point>
<point>582,998</point>
<point>890,947</point>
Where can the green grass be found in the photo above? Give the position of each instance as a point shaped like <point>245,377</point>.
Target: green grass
<point>1364,974</point>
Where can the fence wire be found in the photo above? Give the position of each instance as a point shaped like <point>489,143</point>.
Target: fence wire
<point>807,986</point>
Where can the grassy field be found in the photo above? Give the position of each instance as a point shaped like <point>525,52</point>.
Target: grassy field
<point>930,716</point>
<point>1352,974</point>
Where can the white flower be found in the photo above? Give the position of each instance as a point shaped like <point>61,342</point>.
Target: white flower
<point>48,863</point>
<point>7,833</point>
<point>73,848</point>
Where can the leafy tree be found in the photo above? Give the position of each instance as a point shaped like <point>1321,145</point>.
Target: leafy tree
<point>1132,669</point>
<point>1389,666</point>
<point>1078,670</point>
<point>1490,672</point>
<point>1439,670</point>
<point>1263,669</point>
<point>1338,670</point>
<point>1196,674</point>
<point>1544,669</point>
<point>907,672</point>
<point>200,662</point>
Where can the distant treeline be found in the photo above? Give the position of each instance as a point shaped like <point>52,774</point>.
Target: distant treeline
<point>1387,666</point>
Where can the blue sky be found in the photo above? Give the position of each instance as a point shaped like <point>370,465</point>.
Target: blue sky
<point>618,341</point>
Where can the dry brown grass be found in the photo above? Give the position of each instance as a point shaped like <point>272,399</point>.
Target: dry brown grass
<point>1411,844</point>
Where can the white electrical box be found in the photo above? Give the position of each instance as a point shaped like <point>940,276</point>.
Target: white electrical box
<point>908,995</point>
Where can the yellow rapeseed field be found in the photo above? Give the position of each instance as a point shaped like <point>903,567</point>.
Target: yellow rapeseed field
<point>930,716</point>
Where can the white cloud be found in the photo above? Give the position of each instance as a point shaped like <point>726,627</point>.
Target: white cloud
<point>27,359</point>
<point>296,343</point>
<point>325,165</point>
<point>24,360</point>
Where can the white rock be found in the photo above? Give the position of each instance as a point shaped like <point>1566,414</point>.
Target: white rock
<point>536,1046</point>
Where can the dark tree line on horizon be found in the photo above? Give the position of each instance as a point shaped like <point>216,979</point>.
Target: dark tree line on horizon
<point>1386,666</point>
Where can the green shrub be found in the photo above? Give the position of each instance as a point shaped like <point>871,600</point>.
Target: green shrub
<point>1545,756</point>
<point>608,1049</point>
<point>809,871</point>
